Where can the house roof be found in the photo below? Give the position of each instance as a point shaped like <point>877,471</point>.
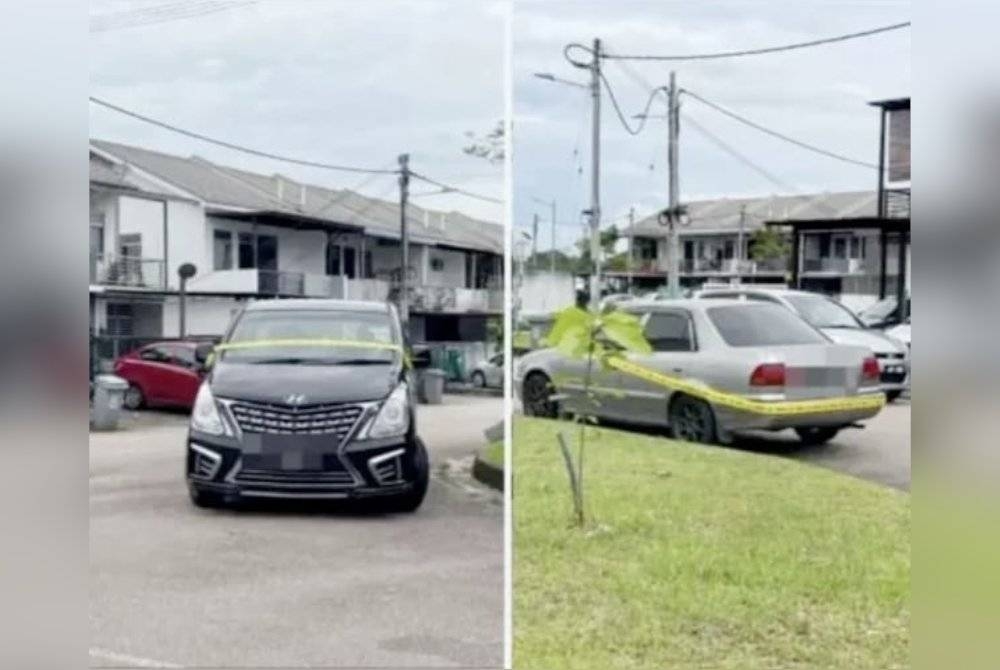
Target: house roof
<point>722,215</point>
<point>221,187</point>
<point>891,103</point>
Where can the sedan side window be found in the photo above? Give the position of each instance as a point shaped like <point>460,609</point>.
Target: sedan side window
<point>155,354</point>
<point>669,332</point>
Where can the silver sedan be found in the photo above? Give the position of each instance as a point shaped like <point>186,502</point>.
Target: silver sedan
<point>756,351</point>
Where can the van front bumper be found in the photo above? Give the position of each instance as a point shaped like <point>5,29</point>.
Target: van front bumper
<point>303,469</point>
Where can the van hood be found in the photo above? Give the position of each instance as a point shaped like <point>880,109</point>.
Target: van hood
<point>878,342</point>
<point>319,384</point>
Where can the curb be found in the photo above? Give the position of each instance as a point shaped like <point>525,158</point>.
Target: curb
<point>487,473</point>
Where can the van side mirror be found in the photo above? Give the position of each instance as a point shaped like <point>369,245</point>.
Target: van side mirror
<point>202,352</point>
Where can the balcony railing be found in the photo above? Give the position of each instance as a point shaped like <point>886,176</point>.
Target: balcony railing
<point>844,266</point>
<point>128,271</point>
<point>278,282</point>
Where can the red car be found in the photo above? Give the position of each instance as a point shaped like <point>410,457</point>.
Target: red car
<point>163,374</point>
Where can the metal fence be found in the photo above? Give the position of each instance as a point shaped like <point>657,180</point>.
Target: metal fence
<point>128,271</point>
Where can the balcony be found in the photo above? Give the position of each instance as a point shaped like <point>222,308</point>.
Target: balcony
<point>128,271</point>
<point>279,282</point>
<point>833,266</point>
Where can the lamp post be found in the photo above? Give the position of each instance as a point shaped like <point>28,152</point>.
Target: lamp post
<point>552,253</point>
<point>185,272</point>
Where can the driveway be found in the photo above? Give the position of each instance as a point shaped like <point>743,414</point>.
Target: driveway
<point>173,585</point>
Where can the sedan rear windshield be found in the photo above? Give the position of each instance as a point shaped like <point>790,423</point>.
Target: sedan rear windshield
<point>762,325</point>
<point>259,329</point>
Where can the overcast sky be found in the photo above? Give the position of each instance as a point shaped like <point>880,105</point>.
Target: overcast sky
<point>342,82</point>
<point>818,95</point>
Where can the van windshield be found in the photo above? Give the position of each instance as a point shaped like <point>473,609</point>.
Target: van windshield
<point>329,337</point>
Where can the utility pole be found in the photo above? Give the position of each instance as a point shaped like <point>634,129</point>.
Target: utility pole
<point>673,115</point>
<point>552,254</point>
<point>404,241</point>
<point>534,243</point>
<point>739,244</point>
<point>595,178</point>
<point>628,255</point>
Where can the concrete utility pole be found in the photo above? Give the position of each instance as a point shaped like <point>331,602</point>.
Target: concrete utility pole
<point>404,240</point>
<point>673,114</point>
<point>534,243</point>
<point>595,178</point>
<point>628,255</point>
<point>552,254</point>
<point>740,244</point>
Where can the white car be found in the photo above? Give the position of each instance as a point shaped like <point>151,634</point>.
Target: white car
<point>901,332</point>
<point>839,324</point>
<point>489,373</point>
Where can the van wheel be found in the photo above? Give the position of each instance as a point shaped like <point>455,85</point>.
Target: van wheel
<point>891,396</point>
<point>816,435</point>
<point>537,393</point>
<point>412,499</point>
<point>478,379</point>
<point>133,398</point>
<point>691,420</point>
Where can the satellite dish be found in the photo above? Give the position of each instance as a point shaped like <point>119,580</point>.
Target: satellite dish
<point>187,270</point>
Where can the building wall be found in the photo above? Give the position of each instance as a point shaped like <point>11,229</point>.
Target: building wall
<point>452,271</point>
<point>546,292</point>
<point>206,315</point>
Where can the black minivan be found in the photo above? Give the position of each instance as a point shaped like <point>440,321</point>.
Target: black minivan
<point>307,399</point>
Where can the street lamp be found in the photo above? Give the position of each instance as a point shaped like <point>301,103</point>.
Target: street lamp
<point>548,76</point>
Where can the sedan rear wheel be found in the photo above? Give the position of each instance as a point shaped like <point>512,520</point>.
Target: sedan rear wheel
<point>692,420</point>
<point>133,397</point>
<point>538,396</point>
<point>816,435</point>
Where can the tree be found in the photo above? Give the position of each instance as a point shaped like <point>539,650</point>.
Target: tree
<point>489,146</point>
<point>769,244</point>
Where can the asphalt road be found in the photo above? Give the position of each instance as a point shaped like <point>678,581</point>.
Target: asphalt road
<point>172,585</point>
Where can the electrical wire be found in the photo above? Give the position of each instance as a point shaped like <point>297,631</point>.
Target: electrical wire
<point>159,14</point>
<point>773,133</point>
<point>454,189</point>
<point>719,142</point>
<point>237,147</point>
<point>621,117</point>
<point>754,52</point>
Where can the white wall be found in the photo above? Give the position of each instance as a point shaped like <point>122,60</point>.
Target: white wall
<point>186,240</point>
<point>143,217</point>
<point>452,272</point>
<point>546,292</point>
<point>205,315</point>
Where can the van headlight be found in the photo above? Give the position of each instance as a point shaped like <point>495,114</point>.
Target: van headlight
<point>393,418</point>
<point>205,417</point>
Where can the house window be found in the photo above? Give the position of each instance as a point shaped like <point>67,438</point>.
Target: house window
<point>130,245</point>
<point>246,250</point>
<point>369,269</point>
<point>730,249</point>
<point>437,265</point>
<point>222,250</point>
<point>333,259</point>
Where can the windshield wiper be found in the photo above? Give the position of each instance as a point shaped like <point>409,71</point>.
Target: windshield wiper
<point>361,361</point>
<point>290,360</point>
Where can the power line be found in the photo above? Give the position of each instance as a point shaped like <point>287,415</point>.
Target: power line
<point>621,116</point>
<point>237,147</point>
<point>763,50</point>
<point>773,133</point>
<point>159,14</point>
<point>719,142</point>
<point>454,189</point>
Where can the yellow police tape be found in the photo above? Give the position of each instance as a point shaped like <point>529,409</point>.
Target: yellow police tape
<point>309,342</point>
<point>742,403</point>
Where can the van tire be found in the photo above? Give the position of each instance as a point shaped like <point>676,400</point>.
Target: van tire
<point>411,500</point>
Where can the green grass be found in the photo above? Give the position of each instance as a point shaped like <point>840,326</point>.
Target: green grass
<point>493,454</point>
<point>703,557</point>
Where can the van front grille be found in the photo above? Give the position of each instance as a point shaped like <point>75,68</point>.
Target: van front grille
<point>337,420</point>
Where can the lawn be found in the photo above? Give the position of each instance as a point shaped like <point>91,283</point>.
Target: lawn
<point>703,557</point>
<point>493,454</point>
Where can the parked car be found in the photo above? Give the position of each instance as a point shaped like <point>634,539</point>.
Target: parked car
<point>489,373</point>
<point>752,349</point>
<point>901,332</point>
<point>839,324</point>
<point>160,374</point>
<point>883,314</point>
<point>320,419</point>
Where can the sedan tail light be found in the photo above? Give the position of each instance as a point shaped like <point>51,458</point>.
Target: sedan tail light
<point>768,374</point>
<point>870,370</point>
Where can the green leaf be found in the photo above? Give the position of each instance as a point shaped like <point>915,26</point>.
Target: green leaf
<point>625,330</point>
